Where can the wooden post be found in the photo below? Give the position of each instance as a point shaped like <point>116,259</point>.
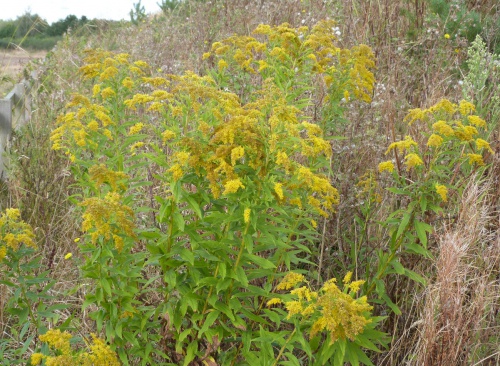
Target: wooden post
<point>19,113</point>
<point>5,128</point>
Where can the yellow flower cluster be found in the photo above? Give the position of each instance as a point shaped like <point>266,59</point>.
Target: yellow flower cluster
<point>302,50</point>
<point>403,145</point>
<point>449,124</point>
<point>336,311</point>
<point>108,217</point>
<point>442,191</point>
<point>93,118</point>
<point>386,166</point>
<point>220,137</point>
<point>100,353</point>
<point>14,232</point>
<point>412,160</point>
<point>100,174</point>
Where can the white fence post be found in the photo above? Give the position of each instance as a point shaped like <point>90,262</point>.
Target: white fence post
<point>15,111</point>
<point>5,128</point>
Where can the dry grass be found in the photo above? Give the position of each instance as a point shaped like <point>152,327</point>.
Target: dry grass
<point>458,310</point>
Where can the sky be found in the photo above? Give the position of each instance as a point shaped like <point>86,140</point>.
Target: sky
<point>54,10</point>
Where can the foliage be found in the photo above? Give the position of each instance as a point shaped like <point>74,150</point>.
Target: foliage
<point>138,13</point>
<point>28,287</point>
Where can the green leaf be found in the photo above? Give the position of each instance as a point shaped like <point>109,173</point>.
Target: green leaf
<point>209,320</point>
<point>239,275</point>
<point>422,228</point>
<point>187,255</point>
<point>418,249</point>
<point>105,285</point>
<point>398,267</point>
<point>118,329</point>
<point>404,223</point>
<point>415,277</point>
<point>390,304</point>
<point>179,221</point>
<point>224,309</point>
<point>423,203</point>
<point>261,262</point>
<point>193,204</point>
<point>191,350</point>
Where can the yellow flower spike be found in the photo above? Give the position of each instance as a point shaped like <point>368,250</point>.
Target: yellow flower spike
<point>3,252</point>
<point>236,154</point>
<point>293,308</point>
<point>290,280</point>
<point>135,129</point>
<point>273,301</point>
<point>37,358</point>
<point>477,121</point>
<point>167,135</point>
<point>279,190</point>
<point>68,256</point>
<point>93,125</point>
<point>435,140</point>
<point>118,242</point>
<point>128,83</point>
<point>107,92</point>
<point>386,166</point>
<point>413,160</point>
<point>176,171</point>
<point>58,340</point>
<point>96,89</point>
<point>482,144</point>
<point>100,174</point>
<point>476,159</point>
<point>108,73</point>
<point>403,145</point>
<point>141,64</point>
<point>232,186</point>
<point>466,107</point>
<point>356,285</point>
<point>443,128</point>
<point>222,64</point>
<point>108,134</point>
<point>246,215</point>
<point>442,191</point>
<point>314,224</point>
<point>347,277</point>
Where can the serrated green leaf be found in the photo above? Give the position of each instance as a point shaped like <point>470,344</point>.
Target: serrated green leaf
<point>209,320</point>
<point>404,224</point>
<point>421,232</point>
<point>179,221</point>
<point>415,277</point>
<point>398,267</point>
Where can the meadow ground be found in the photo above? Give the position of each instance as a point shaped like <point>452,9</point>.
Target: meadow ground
<point>12,64</point>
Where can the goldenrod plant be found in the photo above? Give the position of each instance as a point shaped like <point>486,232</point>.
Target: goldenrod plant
<point>239,172</point>
<point>452,148</point>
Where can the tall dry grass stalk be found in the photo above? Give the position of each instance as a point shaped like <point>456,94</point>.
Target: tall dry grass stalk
<point>459,307</point>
